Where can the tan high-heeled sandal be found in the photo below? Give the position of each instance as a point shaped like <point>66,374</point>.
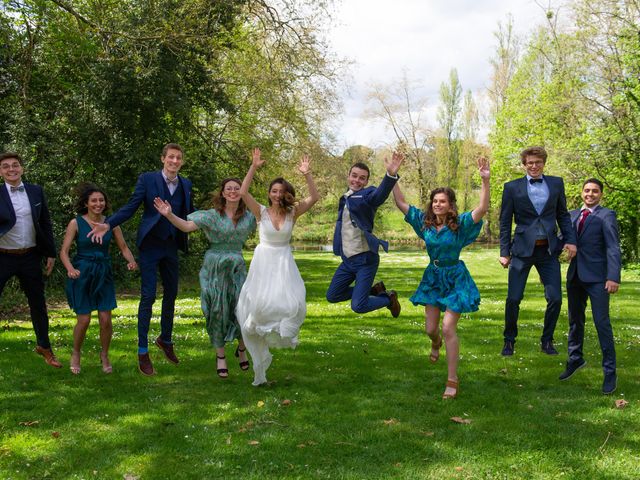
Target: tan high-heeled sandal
<point>451,396</point>
<point>433,358</point>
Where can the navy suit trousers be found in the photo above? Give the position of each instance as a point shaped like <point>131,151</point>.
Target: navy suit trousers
<point>157,255</point>
<point>362,268</point>
<point>548,268</point>
<point>577,294</point>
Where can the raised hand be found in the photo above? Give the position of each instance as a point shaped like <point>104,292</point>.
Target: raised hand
<point>258,161</point>
<point>162,206</point>
<point>304,166</point>
<point>394,164</point>
<point>483,167</point>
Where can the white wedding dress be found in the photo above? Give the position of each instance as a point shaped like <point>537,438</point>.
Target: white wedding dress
<point>272,303</point>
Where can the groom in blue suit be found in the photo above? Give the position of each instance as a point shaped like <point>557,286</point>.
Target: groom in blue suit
<point>355,243</point>
<point>593,274</point>
<point>158,243</point>
<point>538,205</point>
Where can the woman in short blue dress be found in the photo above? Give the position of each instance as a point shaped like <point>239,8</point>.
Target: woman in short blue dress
<point>446,284</point>
<point>90,281</point>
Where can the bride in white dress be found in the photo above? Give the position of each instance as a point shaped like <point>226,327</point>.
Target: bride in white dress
<point>272,303</point>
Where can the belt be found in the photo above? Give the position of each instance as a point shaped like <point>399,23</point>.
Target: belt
<point>542,242</point>
<point>444,263</point>
<point>17,251</point>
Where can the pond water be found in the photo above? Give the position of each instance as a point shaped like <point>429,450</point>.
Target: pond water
<point>399,247</point>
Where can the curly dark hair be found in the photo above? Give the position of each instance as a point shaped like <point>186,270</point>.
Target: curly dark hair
<point>218,202</point>
<point>83,192</point>
<point>451,219</point>
<point>288,199</point>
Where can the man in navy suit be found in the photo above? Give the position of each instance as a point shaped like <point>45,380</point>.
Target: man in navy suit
<point>594,274</point>
<point>538,205</point>
<point>26,237</point>
<point>158,243</point>
<point>355,243</point>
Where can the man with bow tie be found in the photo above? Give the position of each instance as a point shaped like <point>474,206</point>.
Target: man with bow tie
<point>26,237</point>
<point>538,205</point>
<point>594,274</point>
<point>158,243</point>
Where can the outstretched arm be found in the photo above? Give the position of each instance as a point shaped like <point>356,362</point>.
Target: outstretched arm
<point>380,194</point>
<point>164,209</point>
<point>124,248</point>
<point>485,173</point>
<point>398,197</point>
<point>251,203</point>
<point>314,196</point>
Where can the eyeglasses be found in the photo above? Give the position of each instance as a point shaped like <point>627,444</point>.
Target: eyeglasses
<point>537,163</point>
<point>9,166</point>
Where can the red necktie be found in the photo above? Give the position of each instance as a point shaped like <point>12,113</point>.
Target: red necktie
<point>585,214</point>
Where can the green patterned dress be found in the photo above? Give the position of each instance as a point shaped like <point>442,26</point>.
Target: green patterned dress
<point>223,271</point>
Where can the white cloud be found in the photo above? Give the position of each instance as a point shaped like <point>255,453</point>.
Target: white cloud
<point>427,38</point>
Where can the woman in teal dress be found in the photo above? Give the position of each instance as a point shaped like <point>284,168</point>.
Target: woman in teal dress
<point>227,226</point>
<point>446,284</point>
<point>90,281</point>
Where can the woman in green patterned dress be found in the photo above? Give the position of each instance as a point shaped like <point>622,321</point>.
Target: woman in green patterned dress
<point>227,226</point>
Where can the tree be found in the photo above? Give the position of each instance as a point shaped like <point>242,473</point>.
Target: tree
<point>403,110</point>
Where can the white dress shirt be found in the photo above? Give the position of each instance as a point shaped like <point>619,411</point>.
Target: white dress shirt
<point>23,233</point>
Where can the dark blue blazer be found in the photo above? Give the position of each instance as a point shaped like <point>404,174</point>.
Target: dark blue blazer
<point>517,206</point>
<point>149,186</point>
<point>362,208</point>
<point>45,243</point>
<point>598,258</point>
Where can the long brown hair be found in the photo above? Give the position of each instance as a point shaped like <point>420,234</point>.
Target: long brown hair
<point>219,203</point>
<point>288,200</point>
<point>451,219</point>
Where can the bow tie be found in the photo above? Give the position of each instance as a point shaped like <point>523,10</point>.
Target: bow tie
<point>535,180</point>
<point>173,182</point>
<point>17,189</point>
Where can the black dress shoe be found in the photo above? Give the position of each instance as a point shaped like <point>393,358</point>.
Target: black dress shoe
<point>571,369</point>
<point>507,350</point>
<point>548,348</point>
<point>377,289</point>
<point>610,383</point>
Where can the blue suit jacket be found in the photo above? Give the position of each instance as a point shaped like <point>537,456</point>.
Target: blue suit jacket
<point>362,208</point>
<point>598,258</point>
<point>517,206</point>
<point>149,186</point>
<point>45,243</point>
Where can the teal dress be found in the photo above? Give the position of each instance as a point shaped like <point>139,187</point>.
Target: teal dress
<point>223,271</point>
<point>446,282</point>
<point>94,288</point>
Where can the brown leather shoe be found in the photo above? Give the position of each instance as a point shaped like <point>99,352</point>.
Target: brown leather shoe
<point>377,289</point>
<point>49,357</point>
<point>144,365</point>
<point>167,348</point>
<point>394,306</point>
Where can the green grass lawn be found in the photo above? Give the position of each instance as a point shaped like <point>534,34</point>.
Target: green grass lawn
<point>357,399</point>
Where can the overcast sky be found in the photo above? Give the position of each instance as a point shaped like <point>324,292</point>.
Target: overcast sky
<point>427,38</point>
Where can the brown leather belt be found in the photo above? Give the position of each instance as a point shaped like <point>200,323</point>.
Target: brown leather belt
<point>542,242</point>
<point>17,251</point>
